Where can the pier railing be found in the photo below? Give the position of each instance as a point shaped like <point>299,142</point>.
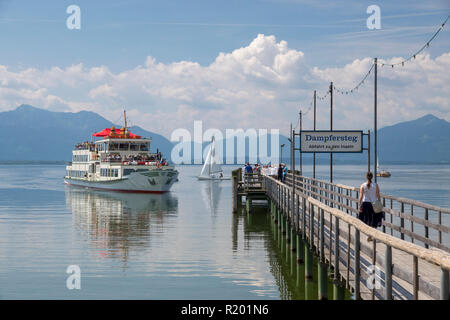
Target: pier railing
<point>388,267</point>
<point>408,219</point>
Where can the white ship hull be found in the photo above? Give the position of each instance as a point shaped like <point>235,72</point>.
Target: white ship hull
<point>146,182</point>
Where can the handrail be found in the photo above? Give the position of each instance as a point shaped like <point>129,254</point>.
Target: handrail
<point>439,258</point>
<point>334,193</point>
<point>383,195</point>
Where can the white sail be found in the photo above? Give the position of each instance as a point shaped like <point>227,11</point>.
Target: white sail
<point>206,166</point>
<point>211,165</point>
<point>215,166</point>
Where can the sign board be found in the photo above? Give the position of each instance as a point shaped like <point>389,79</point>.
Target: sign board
<point>331,141</point>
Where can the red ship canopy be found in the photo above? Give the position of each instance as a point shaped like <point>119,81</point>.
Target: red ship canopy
<point>117,134</point>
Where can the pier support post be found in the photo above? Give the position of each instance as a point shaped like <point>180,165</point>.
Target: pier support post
<point>248,204</point>
<point>293,239</point>
<point>336,249</point>
<point>304,218</point>
<point>445,285</point>
<point>277,216</point>
<point>300,249</point>
<point>270,208</point>
<point>309,289</point>
<point>323,281</point>
<point>288,234</point>
<point>338,292</point>
<point>311,225</point>
<point>235,191</point>
<point>308,262</point>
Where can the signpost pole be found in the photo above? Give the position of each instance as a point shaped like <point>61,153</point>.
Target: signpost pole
<point>293,176</point>
<point>314,154</point>
<point>292,150</point>
<point>368,151</point>
<point>375,124</point>
<point>331,129</point>
<point>301,158</point>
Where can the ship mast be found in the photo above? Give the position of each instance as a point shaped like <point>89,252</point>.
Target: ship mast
<point>125,120</point>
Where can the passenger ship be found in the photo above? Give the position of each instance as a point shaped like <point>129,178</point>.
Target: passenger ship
<point>119,161</point>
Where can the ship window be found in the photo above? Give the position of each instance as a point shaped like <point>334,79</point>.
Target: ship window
<point>113,146</point>
<point>134,147</point>
<point>123,146</point>
<point>144,146</point>
<point>116,172</point>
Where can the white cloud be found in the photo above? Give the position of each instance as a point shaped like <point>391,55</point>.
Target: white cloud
<point>262,85</point>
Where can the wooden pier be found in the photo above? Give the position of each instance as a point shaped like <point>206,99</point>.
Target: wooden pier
<point>409,258</point>
<point>248,185</point>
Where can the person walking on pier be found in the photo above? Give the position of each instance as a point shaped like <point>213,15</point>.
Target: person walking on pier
<point>369,193</point>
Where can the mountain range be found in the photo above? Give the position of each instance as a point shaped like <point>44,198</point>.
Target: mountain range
<point>32,134</point>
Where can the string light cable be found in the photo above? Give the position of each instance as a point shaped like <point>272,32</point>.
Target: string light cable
<point>426,45</point>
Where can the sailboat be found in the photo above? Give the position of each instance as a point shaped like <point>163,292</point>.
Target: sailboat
<point>212,170</point>
<point>382,172</point>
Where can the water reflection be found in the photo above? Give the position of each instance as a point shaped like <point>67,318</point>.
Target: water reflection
<point>289,275</point>
<point>116,223</point>
<point>211,191</point>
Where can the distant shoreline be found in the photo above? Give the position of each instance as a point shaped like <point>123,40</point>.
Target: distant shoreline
<point>35,162</point>
<point>64,162</point>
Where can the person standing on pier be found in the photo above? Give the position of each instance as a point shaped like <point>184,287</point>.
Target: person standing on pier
<point>285,171</point>
<point>369,193</point>
<point>280,172</point>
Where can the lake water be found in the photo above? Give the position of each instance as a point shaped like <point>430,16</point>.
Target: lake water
<point>185,244</point>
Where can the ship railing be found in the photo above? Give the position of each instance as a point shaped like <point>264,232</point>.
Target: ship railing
<point>84,147</point>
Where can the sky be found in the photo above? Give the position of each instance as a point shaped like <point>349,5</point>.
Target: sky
<point>232,64</point>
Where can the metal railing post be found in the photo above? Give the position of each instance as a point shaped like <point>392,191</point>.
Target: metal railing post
<point>388,273</point>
